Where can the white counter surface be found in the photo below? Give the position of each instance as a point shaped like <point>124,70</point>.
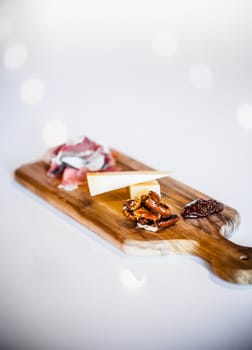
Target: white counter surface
<point>170,85</point>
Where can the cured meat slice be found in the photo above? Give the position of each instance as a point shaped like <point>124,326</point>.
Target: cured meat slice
<point>71,161</point>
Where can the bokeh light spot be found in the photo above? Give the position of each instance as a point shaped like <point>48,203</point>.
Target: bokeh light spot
<point>15,56</point>
<point>130,281</point>
<point>54,133</point>
<point>32,91</point>
<point>244,116</point>
<point>201,76</point>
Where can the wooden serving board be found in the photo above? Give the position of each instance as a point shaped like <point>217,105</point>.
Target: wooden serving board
<point>206,237</point>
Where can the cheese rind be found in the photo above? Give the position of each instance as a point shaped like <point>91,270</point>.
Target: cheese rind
<point>101,182</point>
<point>137,190</point>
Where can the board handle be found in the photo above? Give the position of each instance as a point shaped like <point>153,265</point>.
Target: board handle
<point>230,261</point>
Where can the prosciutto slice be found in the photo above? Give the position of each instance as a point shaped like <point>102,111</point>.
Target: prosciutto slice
<point>71,161</point>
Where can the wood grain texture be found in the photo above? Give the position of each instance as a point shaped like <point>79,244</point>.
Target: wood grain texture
<point>102,214</point>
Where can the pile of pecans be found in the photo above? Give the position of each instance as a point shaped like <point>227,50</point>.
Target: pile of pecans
<point>149,212</point>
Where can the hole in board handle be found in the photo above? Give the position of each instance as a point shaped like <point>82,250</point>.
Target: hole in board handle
<point>244,257</point>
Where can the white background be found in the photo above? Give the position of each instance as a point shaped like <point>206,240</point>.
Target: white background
<point>168,83</point>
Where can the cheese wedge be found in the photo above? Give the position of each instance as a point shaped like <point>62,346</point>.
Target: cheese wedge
<point>100,182</point>
<point>137,190</point>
